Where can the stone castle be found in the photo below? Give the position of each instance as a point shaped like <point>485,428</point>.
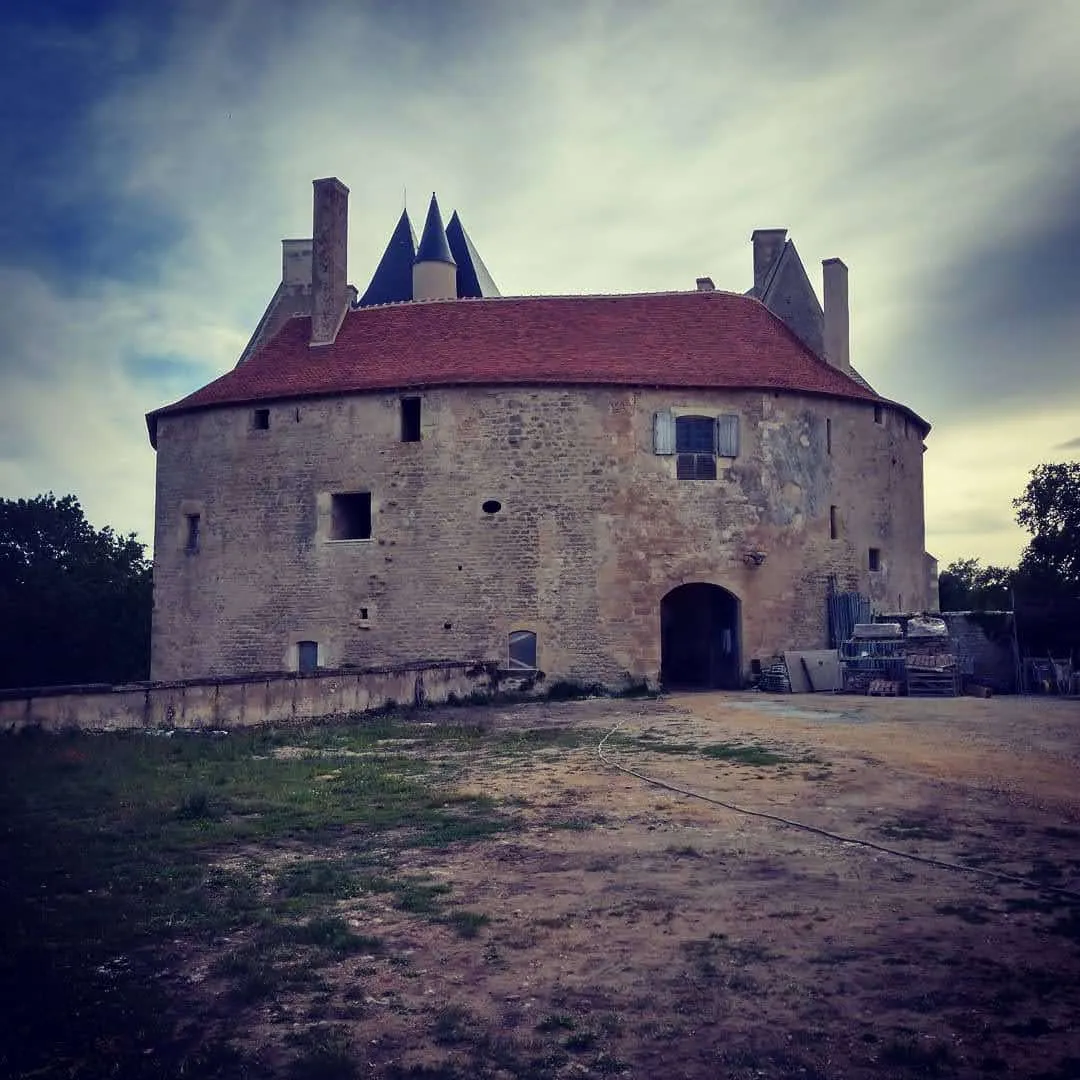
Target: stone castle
<point>606,488</point>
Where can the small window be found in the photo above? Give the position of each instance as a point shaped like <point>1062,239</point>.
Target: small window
<point>350,516</point>
<point>879,415</point>
<point>491,506</point>
<point>307,657</point>
<point>194,523</point>
<point>875,558</point>
<point>828,436</point>
<point>260,420</point>
<point>834,523</point>
<point>695,447</point>
<point>410,419</point>
<point>364,614</point>
<point>523,650</point>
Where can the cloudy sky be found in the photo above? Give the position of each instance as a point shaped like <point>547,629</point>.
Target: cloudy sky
<point>153,160</point>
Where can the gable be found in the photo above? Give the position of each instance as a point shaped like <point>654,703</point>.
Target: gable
<point>789,295</point>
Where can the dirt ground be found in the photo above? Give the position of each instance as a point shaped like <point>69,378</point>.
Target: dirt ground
<point>653,934</point>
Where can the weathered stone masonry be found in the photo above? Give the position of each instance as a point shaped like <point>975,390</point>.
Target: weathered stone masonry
<point>593,530</point>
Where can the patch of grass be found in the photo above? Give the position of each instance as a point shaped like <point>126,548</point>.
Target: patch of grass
<point>316,878</point>
<point>556,1022</point>
<point>747,754</point>
<point>686,851</point>
<point>976,916</point>
<point>466,924</point>
<point>419,897</point>
<point>325,1055</point>
<point>926,1058</point>
<point>916,828</point>
<point>452,1025</point>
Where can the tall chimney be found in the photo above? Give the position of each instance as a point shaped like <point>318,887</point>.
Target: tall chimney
<point>835,287</point>
<point>329,291</point>
<point>768,243</point>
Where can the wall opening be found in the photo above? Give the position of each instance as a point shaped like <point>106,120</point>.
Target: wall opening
<point>491,506</point>
<point>695,447</point>
<point>410,419</point>
<point>307,657</point>
<point>875,558</point>
<point>522,650</point>
<point>193,536</point>
<point>834,523</point>
<point>350,516</point>
<point>828,436</point>
<point>699,638</point>
<point>260,419</point>
<point>879,414</point>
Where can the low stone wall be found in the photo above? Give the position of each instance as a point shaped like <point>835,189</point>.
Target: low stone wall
<point>276,698</point>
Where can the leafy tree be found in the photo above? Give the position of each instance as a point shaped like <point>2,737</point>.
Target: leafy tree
<point>967,585</point>
<point>75,601</point>
<point>1049,509</point>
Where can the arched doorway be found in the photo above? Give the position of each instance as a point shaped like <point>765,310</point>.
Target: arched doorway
<point>699,638</point>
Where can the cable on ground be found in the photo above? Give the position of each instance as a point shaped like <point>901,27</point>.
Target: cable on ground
<point>926,860</point>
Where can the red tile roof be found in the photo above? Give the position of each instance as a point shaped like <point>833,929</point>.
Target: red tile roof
<point>692,339</point>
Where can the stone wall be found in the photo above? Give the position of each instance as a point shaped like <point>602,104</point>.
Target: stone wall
<point>592,530</point>
<point>985,639</point>
<point>279,698</point>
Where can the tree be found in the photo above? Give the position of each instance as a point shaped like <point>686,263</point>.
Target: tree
<point>75,601</point>
<point>1049,509</point>
<point>967,585</point>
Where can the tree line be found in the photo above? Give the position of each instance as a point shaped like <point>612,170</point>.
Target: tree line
<point>75,601</point>
<point>1049,568</point>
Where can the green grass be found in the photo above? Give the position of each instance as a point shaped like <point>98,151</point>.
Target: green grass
<point>119,849</point>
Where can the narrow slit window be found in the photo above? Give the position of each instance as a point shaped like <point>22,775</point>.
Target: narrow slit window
<point>875,558</point>
<point>194,530</point>
<point>260,420</point>
<point>828,436</point>
<point>410,419</point>
<point>834,523</point>
<point>350,516</point>
<point>879,414</point>
<point>522,650</point>
<point>307,657</point>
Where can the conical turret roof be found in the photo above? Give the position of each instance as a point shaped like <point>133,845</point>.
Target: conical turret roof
<point>433,243</point>
<point>473,278</point>
<point>392,280</point>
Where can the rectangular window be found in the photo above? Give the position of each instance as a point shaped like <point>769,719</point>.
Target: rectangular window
<point>875,558</point>
<point>260,420</point>
<point>522,650</point>
<point>879,415</point>
<point>695,445</point>
<point>828,436</point>
<point>307,657</point>
<point>834,523</point>
<point>191,545</point>
<point>410,419</point>
<point>350,516</point>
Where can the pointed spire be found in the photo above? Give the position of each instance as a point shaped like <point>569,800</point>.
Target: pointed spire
<point>392,281</point>
<point>473,278</point>
<point>433,243</point>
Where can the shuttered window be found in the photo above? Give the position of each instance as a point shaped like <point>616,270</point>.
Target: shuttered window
<point>697,441</point>
<point>307,657</point>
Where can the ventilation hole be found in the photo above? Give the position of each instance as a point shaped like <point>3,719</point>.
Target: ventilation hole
<point>363,613</point>
<point>448,626</point>
<point>492,506</point>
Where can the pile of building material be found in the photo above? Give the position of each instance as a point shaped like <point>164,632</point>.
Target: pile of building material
<point>881,659</point>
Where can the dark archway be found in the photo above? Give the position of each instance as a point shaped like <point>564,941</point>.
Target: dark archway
<point>699,638</point>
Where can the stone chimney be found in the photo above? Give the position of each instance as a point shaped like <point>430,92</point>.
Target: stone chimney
<point>705,284</point>
<point>768,243</point>
<point>835,288</point>
<point>329,290</point>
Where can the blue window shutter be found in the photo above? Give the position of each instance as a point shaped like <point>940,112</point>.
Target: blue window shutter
<point>727,435</point>
<point>663,432</point>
